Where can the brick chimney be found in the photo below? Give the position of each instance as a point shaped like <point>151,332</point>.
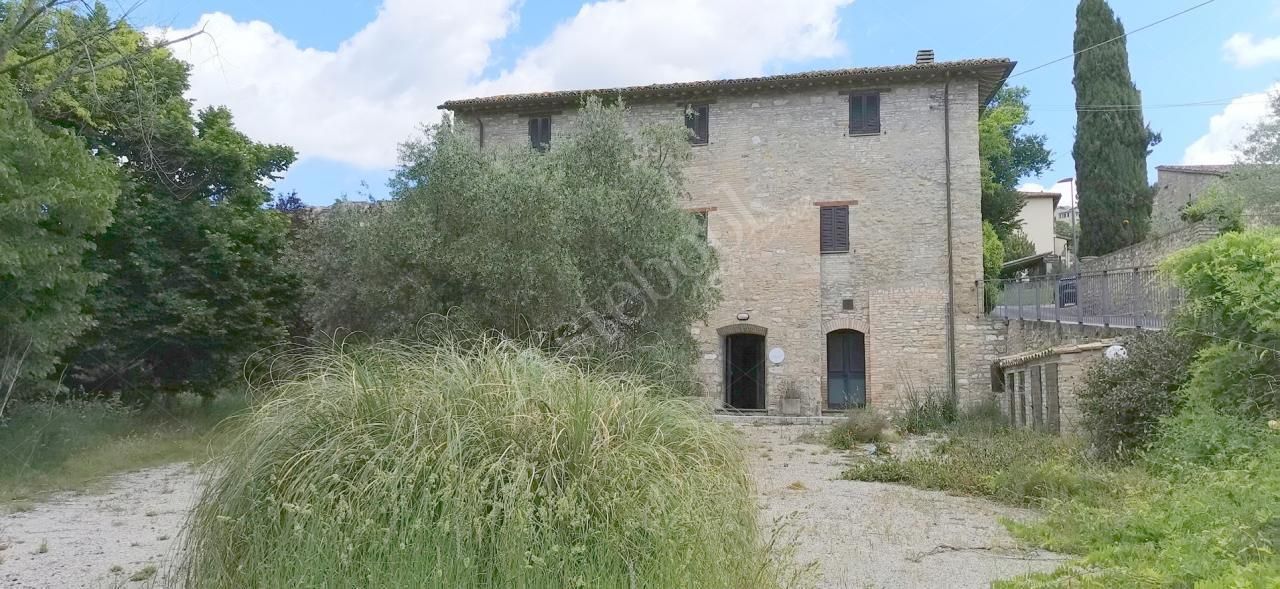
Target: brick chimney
<point>924,56</point>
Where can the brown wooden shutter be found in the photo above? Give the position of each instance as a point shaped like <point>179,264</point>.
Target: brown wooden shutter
<point>864,113</point>
<point>697,120</point>
<point>834,229</point>
<point>540,132</point>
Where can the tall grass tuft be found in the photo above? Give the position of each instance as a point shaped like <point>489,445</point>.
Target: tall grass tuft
<point>488,465</point>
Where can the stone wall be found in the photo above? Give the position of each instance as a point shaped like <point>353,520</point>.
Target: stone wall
<point>772,158</point>
<point>1151,251</point>
<point>1032,336</point>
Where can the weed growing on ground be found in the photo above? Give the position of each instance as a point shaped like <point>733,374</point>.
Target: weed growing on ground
<point>860,426</point>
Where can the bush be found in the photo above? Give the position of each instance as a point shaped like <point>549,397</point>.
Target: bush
<point>860,426</point>
<point>493,466</point>
<point>1122,401</point>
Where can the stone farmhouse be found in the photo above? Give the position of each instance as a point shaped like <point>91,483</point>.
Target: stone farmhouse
<point>844,207</point>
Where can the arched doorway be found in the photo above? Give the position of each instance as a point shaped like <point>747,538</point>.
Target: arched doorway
<point>846,370</point>
<point>744,371</point>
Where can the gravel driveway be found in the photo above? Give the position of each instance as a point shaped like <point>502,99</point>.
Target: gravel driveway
<point>858,535</point>
<point>852,535</point>
<point>101,540</point>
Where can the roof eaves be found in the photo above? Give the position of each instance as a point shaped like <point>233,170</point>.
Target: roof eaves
<point>991,74</point>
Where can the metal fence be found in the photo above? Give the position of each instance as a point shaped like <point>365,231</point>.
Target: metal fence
<point>1134,297</point>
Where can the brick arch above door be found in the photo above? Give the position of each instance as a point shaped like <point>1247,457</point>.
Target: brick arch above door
<point>840,323</point>
<point>737,328</point>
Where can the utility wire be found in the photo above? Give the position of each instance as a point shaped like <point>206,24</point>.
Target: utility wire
<point>1142,28</point>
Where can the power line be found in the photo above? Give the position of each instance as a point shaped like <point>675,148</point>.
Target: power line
<point>1139,29</point>
<point>1129,107</point>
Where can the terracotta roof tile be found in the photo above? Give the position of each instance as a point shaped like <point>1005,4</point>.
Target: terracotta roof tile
<point>990,73</point>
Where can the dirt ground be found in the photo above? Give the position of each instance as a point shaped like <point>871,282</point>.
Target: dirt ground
<point>859,535</point>
<point>103,540</point>
<point>849,535</point>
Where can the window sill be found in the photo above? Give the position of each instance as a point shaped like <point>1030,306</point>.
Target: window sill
<point>835,252</point>
<point>877,134</point>
<point>703,144</point>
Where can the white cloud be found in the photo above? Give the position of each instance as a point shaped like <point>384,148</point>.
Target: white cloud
<point>1063,188</point>
<point>614,43</point>
<point>1244,51</point>
<point>356,103</point>
<point>353,104</point>
<point>1228,129</point>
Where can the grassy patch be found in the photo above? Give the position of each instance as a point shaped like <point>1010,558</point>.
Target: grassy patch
<point>494,466</point>
<point>71,445</point>
<point>1014,466</point>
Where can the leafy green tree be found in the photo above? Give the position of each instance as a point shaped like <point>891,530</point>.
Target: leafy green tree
<point>992,260</point>
<point>1009,154</point>
<point>582,246</point>
<point>1112,141</point>
<point>54,197</point>
<point>194,276</point>
<point>1018,246</point>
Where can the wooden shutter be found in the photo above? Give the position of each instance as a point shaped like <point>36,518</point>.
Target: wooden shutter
<point>834,229</point>
<point>540,132</point>
<point>864,113</point>
<point>697,120</point>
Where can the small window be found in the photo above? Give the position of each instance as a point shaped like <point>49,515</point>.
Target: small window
<point>697,119</point>
<point>540,132</point>
<point>835,229</point>
<point>864,113</point>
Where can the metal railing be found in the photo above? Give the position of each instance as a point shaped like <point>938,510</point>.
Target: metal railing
<point>1132,297</point>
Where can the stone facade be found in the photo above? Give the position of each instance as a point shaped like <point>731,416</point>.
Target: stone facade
<point>774,157</point>
<point>1177,187</point>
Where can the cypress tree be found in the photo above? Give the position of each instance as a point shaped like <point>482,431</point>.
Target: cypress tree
<point>1112,142</point>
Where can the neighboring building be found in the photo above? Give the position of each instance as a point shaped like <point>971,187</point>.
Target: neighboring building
<point>1066,213</point>
<point>1037,217</point>
<point>845,209</point>
<point>1040,389</point>
<point>1177,187</point>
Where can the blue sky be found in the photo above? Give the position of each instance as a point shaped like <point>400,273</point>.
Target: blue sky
<point>344,81</point>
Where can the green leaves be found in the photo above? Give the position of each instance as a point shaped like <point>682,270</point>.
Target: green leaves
<point>584,245</point>
<point>54,197</point>
<point>1112,141</point>
<point>1008,155</point>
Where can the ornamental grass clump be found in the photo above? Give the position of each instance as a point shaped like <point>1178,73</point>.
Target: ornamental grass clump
<point>489,465</point>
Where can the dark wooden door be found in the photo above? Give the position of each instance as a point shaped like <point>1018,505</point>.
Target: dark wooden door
<point>744,371</point>
<point>846,370</point>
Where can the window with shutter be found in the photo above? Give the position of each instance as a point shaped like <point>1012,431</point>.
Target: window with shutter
<point>834,230</point>
<point>864,113</point>
<point>697,119</point>
<point>702,224</point>
<point>540,132</point>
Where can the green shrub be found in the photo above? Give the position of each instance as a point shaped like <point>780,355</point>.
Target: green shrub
<point>860,426</point>
<point>1123,400</point>
<point>493,466</point>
